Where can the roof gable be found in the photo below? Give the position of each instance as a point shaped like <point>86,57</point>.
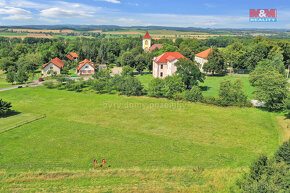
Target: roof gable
<point>86,61</point>
<point>56,61</point>
<point>204,54</point>
<point>147,36</point>
<point>73,54</point>
<point>168,56</point>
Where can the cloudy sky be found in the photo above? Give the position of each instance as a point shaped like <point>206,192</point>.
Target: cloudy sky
<point>177,13</point>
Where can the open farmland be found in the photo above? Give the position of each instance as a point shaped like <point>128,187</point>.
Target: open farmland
<point>150,144</point>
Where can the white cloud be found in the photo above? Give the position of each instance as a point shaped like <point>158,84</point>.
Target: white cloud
<point>111,1</point>
<point>57,12</point>
<point>14,13</point>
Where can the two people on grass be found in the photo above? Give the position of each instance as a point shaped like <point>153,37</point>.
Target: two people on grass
<point>103,165</point>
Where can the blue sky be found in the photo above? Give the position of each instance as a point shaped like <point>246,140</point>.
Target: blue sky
<point>177,13</point>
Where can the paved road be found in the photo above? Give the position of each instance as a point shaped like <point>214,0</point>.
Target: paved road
<point>32,84</point>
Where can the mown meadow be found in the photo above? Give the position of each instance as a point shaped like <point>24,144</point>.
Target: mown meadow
<point>150,144</point>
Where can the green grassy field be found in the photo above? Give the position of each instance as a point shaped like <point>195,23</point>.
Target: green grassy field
<point>211,84</point>
<point>3,83</point>
<point>151,144</point>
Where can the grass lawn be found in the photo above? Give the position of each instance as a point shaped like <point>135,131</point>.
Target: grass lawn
<point>3,83</point>
<point>211,84</point>
<point>151,144</point>
<point>145,79</point>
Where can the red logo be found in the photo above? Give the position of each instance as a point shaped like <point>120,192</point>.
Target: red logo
<point>263,13</point>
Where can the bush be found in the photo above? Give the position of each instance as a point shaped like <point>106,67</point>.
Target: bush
<point>127,71</point>
<point>267,175</point>
<point>128,85</point>
<point>231,94</point>
<point>49,85</point>
<point>156,87</point>
<point>5,108</point>
<point>172,85</point>
<point>209,100</point>
<point>283,153</point>
<point>194,94</point>
<point>98,85</point>
<point>179,97</point>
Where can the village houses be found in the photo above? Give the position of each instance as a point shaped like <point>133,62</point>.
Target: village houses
<point>85,67</point>
<point>53,67</point>
<point>202,58</point>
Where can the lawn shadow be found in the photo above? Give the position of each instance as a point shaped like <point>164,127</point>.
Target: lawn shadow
<point>10,114</point>
<point>204,88</point>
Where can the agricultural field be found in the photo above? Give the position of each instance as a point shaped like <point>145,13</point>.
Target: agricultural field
<point>150,144</point>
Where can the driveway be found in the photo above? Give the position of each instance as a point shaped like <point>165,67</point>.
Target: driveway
<point>31,84</point>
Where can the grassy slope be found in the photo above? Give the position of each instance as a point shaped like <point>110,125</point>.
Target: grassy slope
<point>143,133</point>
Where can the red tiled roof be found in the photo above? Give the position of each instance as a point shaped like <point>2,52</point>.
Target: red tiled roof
<point>69,57</point>
<point>147,36</point>
<point>168,56</point>
<point>154,46</point>
<point>204,54</point>
<point>56,61</point>
<point>86,61</point>
<point>73,54</point>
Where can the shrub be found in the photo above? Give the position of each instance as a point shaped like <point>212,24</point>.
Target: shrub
<point>266,174</point>
<point>49,84</point>
<point>194,94</point>
<point>283,153</point>
<point>231,94</point>
<point>155,87</point>
<point>98,85</point>
<point>172,85</point>
<point>127,85</point>
<point>5,108</point>
<point>127,71</point>
<point>179,97</point>
<point>209,100</point>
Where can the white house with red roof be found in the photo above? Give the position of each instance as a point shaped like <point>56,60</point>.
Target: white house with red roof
<point>164,65</point>
<point>54,66</point>
<point>85,67</point>
<point>201,58</point>
<point>147,42</point>
<point>72,56</point>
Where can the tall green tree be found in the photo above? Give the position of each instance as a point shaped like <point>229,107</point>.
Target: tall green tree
<point>271,88</point>
<point>128,59</point>
<point>216,62</point>
<point>189,72</point>
<point>140,63</point>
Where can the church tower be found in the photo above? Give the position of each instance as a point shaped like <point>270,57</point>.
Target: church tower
<point>146,42</point>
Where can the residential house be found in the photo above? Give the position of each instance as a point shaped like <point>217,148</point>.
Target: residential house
<point>72,56</point>
<point>164,65</point>
<point>54,66</point>
<point>85,67</point>
<point>201,58</point>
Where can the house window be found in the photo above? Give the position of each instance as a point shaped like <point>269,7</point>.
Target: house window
<point>146,42</point>
<point>51,68</point>
<point>86,66</point>
<point>161,74</point>
<point>161,67</point>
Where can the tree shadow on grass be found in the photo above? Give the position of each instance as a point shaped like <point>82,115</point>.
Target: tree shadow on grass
<point>204,88</point>
<point>10,114</point>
